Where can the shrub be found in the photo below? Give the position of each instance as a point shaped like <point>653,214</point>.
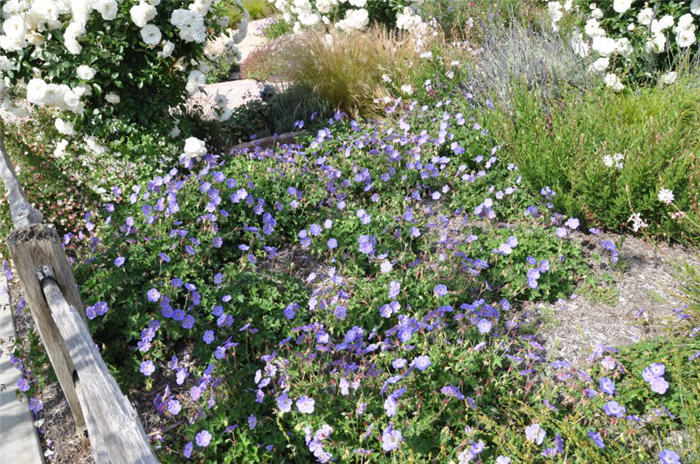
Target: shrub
<point>471,20</point>
<point>348,15</point>
<point>346,69</point>
<point>630,42</point>
<point>608,155</point>
<point>108,60</point>
<point>539,61</point>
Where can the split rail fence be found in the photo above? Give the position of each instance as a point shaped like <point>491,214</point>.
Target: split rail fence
<point>113,428</point>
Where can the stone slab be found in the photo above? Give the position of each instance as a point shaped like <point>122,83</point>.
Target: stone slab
<point>19,442</point>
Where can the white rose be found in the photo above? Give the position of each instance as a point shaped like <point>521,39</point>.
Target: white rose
<point>151,34</point>
<point>695,7</point>
<point>623,47</point>
<point>669,78</point>
<point>656,43</point>
<point>620,6</point>
<point>194,148</point>
<point>597,13</point>
<point>113,98</point>
<point>168,48</point>
<point>685,38</point>
<point>36,91</point>
<point>142,13</point>
<point>605,46</point>
<point>14,27</point>
<point>358,3</point>
<point>64,127</point>
<point>601,64</point>
<point>180,17</point>
<point>85,72</point>
<point>612,81</point>
<point>684,22</point>
<point>108,9</point>
<point>644,16</point>
<point>195,80</point>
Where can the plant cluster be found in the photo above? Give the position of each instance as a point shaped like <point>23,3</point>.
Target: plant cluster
<point>106,61</point>
<point>304,302</point>
<point>349,15</point>
<point>628,41</point>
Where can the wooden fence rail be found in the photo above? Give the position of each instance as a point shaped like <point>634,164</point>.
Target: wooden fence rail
<point>115,433</point>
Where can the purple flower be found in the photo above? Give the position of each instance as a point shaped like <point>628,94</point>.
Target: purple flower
<point>119,261</point>
<point>147,368</point>
<point>597,439</point>
<point>332,243</point>
<point>208,336</point>
<point>203,438</point>
<point>572,223</point>
<point>315,229</point>
<point>188,449</point>
<point>394,288</point>
<point>452,391</point>
<point>614,409</point>
<point>284,403</point>
<point>654,370</point>
<point>421,362</point>
<point>289,311</point>
<point>398,363</point>
<point>153,295</point>
<point>607,385</point>
<point>440,290</point>
<point>174,407</point>
<point>562,232</point>
<point>668,456</point>
<point>484,326</point>
<point>305,404</point>
<point>535,434</point>
<point>659,385</point>
<point>252,421</point>
<point>502,460</point>
<point>35,405</point>
<point>23,384</point>
<point>391,438</point>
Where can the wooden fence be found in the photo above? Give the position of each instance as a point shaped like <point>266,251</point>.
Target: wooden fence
<point>115,433</point>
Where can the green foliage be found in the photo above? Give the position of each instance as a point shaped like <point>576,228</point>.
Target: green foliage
<point>277,115</point>
<point>563,145</point>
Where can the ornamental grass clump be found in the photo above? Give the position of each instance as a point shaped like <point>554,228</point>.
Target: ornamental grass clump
<point>346,69</point>
<point>537,60</point>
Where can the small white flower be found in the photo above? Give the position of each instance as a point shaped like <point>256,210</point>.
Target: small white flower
<point>113,98</point>
<point>64,127</point>
<point>620,6</point>
<point>151,34</point>
<point>601,64</point>
<point>85,72</point>
<point>407,89</point>
<point>614,82</point>
<point>637,222</point>
<point>666,196</point>
<point>669,78</point>
<point>695,7</point>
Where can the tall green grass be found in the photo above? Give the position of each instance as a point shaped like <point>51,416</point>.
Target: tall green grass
<point>562,144</point>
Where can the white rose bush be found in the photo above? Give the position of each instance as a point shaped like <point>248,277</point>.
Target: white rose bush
<point>105,63</point>
<point>630,41</point>
<point>349,15</point>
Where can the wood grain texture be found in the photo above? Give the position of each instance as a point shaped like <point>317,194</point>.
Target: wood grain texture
<point>115,432</point>
<point>32,247</point>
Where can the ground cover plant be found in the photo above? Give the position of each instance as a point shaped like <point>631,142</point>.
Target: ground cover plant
<point>368,293</point>
<point>397,335</point>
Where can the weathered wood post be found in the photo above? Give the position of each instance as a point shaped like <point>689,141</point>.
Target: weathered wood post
<point>116,434</point>
<point>32,247</point>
